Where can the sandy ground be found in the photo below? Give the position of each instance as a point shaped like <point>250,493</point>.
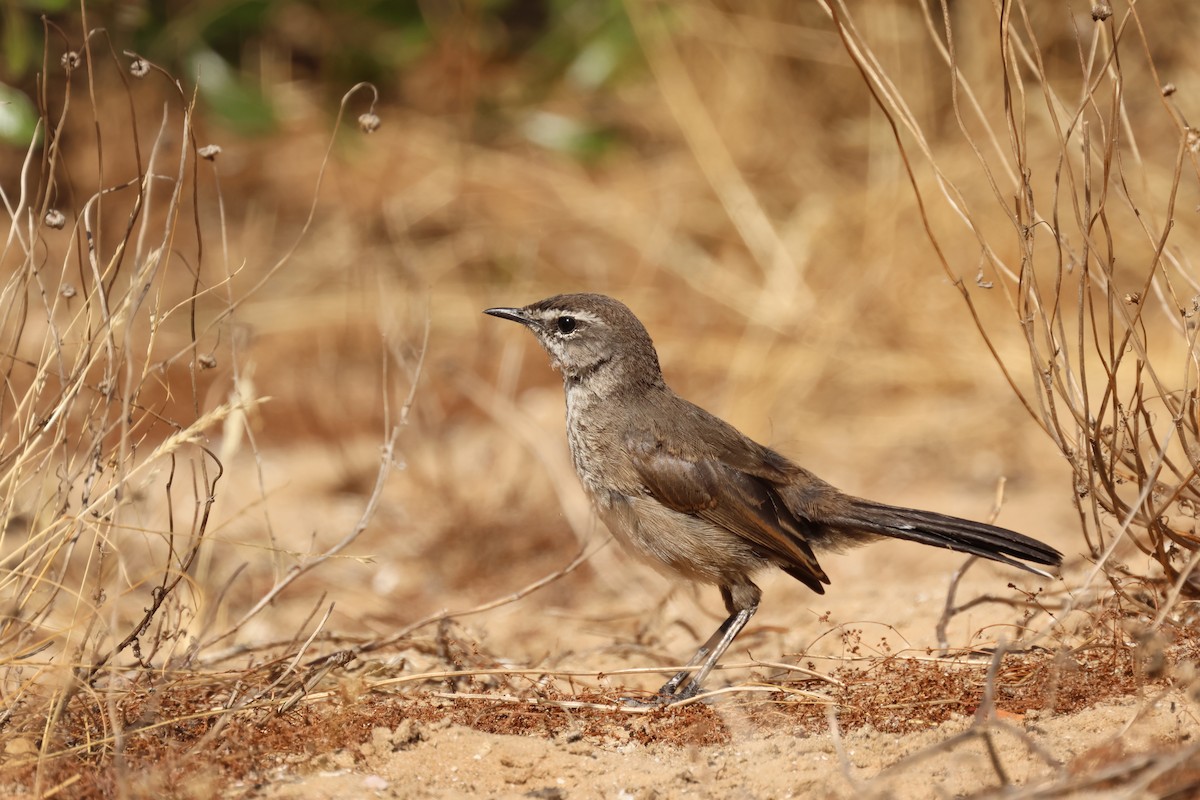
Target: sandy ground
<point>452,761</point>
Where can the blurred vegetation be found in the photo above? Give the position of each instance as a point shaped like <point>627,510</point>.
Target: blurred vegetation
<point>467,56</point>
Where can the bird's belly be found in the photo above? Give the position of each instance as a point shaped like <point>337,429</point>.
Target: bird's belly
<point>677,544</point>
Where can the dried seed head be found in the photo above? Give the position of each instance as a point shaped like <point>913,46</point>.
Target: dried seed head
<point>209,152</point>
<point>69,60</point>
<point>368,123</point>
<point>55,219</point>
<point>139,67</point>
<point>207,361</point>
<point>1101,12</point>
<point>67,291</point>
<point>1168,89</point>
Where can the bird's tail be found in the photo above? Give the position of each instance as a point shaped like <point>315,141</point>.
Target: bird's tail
<point>940,530</point>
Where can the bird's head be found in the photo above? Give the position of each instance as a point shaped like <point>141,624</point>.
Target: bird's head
<point>587,333</point>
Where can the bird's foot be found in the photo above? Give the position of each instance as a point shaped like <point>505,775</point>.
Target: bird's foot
<point>668,694</point>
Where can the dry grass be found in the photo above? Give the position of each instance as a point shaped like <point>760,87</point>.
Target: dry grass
<point>213,570</point>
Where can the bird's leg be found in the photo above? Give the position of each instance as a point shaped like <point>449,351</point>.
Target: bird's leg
<point>715,646</point>
<point>741,601</point>
<point>710,653</point>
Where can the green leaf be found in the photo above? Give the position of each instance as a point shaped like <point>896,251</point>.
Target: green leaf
<point>565,135</point>
<point>242,106</point>
<point>18,41</point>
<point>18,119</point>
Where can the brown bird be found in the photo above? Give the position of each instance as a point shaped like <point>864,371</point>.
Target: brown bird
<point>693,496</point>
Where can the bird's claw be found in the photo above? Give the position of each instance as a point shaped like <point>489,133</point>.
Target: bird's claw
<point>669,694</point>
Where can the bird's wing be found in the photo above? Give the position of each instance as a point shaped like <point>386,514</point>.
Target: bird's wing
<point>742,503</point>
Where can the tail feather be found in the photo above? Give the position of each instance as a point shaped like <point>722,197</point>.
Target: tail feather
<point>940,530</point>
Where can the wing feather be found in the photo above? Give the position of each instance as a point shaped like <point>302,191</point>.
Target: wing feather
<point>745,504</point>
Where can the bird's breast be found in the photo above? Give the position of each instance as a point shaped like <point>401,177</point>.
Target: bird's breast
<point>596,434</point>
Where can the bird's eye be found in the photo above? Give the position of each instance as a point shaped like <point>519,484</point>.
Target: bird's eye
<point>566,324</point>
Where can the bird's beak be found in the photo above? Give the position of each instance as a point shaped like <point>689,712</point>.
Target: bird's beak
<point>515,314</point>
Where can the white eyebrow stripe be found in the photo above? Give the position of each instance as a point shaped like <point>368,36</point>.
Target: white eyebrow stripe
<point>582,316</point>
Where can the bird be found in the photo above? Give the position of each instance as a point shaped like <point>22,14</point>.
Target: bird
<point>691,495</point>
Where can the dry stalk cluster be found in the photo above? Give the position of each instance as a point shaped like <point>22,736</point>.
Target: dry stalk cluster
<point>1079,232</point>
<point>121,404</point>
<point>106,469</point>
